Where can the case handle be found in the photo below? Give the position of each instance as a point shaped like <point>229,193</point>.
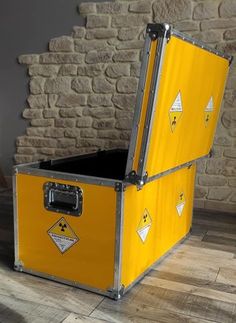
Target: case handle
<point>63,198</point>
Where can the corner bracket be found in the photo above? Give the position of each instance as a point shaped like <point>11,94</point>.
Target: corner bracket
<point>120,187</point>
<point>137,180</point>
<point>117,293</point>
<point>159,30</point>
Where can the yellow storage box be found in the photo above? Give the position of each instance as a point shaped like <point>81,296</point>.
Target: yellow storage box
<point>100,221</point>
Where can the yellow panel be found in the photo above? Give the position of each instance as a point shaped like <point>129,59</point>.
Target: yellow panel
<point>144,103</point>
<point>166,206</point>
<point>198,78</point>
<point>90,261</point>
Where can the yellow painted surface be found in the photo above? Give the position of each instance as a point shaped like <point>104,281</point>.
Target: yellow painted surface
<point>181,136</point>
<point>90,261</point>
<point>159,199</point>
<point>145,103</point>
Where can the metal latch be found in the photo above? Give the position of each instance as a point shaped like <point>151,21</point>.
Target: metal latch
<point>63,198</point>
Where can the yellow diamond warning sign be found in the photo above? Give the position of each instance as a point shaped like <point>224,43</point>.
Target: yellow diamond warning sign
<point>144,225</point>
<point>180,204</point>
<point>62,235</point>
<point>208,111</point>
<point>175,112</point>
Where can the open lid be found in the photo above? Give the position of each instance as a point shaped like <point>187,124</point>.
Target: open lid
<point>178,101</point>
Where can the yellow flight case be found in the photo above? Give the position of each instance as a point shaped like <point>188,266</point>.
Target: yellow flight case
<point>101,221</point>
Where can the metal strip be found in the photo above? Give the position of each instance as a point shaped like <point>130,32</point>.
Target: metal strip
<point>138,105</point>
<point>200,44</point>
<point>162,40</point>
<point>65,176</point>
<point>168,253</point>
<point>172,170</point>
<point>66,282</point>
<point>15,218</point>
<point>118,244</point>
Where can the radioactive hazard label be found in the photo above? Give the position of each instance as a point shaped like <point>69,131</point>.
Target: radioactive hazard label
<point>62,235</point>
<point>180,204</point>
<point>144,225</point>
<point>208,111</point>
<point>175,112</point>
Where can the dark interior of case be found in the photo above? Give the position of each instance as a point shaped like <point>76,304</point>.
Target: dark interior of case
<point>107,164</point>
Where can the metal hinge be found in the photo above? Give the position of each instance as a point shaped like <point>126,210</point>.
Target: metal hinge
<point>159,30</point>
<point>137,180</point>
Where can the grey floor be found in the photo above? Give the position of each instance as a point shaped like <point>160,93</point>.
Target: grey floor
<point>196,283</point>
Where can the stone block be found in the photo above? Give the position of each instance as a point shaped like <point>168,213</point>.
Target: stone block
<point>35,131</point>
<point>68,113</point>
<point>85,46</point>
<point>124,101</point>
<point>54,132</point>
<point>38,101</point>
<point>124,124</point>
<point>120,21</point>
<point>171,10</point>
<point>104,124</point>
<point>87,8</point>
<point>108,134</point>
<point>96,100</point>
<point>32,114</point>
<point>101,85</point>
<point>228,119</point>
<point>84,122</point>
<point>28,59</point>
<point>200,192</point>
<point>126,56</point>
<point>219,193</point>
<point>217,24</point>
<point>26,150</point>
<point>37,85</point>
<point>98,143</point>
<point>122,114</point>
<point>205,10</point>
<point>201,166</point>
<point>131,44</point>
<point>35,142</point>
<point>98,21</point>
<point>230,152</point>
<point>111,7</point>
<point>43,70</point>
<point>22,159</point>
<point>88,133</point>
<point>128,33</point>
<point>210,36</point>
<point>46,151</point>
<point>125,135</point>
<point>116,70</point>
<point>59,85</point>
<point>127,85</point>
<point>222,141</point>
<point>68,70</point>
<point>52,99</point>
<point>101,112</point>
<point>101,33</point>
<point>72,133</point>
<point>66,142</point>
<point>94,57</point>
<point>41,122</point>
<point>71,100</point>
<point>227,9</point>
<point>91,69</point>
<point>61,58</point>
<point>50,113</point>
<point>81,84</point>
<point>230,168</point>
<point>140,6</point>
<point>206,180</point>
<point>78,32</point>
<point>135,69</point>
<point>187,25</point>
<point>215,166</point>
<point>65,123</point>
<point>232,182</point>
<point>61,44</point>
<point>230,34</point>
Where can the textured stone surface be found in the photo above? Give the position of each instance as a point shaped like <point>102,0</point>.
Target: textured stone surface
<point>78,32</point>
<point>61,44</point>
<point>61,58</point>
<point>228,8</point>
<point>91,69</point>
<point>95,21</point>
<point>95,100</point>
<point>126,56</point>
<point>37,85</point>
<point>117,70</point>
<point>230,34</point>
<point>84,45</point>
<point>101,33</point>
<point>71,100</point>
<point>101,85</point>
<point>127,33</point>
<point>111,7</point>
<point>127,85</point>
<point>28,59</point>
<point>43,70</point>
<point>171,10</point>
<point>68,70</point>
<point>39,101</point>
<point>81,85</point>
<point>94,57</point>
<point>124,101</point>
<point>129,20</point>
<point>86,8</point>
<point>205,10</point>
<point>140,6</point>
<point>58,85</point>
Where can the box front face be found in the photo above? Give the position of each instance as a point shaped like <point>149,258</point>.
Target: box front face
<point>78,249</point>
<point>155,219</point>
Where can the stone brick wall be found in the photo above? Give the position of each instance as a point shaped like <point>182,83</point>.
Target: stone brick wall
<point>82,91</point>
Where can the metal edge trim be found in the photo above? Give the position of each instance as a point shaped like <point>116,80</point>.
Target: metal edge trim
<point>15,219</point>
<point>200,44</point>
<point>138,105</point>
<point>162,40</point>
<point>167,254</point>
<point>118,244</point>
<point>66,282</point>
<point>66,176</point>
<point>172,170</point>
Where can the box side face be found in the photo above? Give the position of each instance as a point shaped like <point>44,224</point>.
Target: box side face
<point>78,249</point>
<point>186,111</point>
<point>155,219</point>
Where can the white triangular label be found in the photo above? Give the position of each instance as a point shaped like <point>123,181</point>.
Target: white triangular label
<point>63,243</point>
<point>177,105</point>
<point>210,106</point>
<point>144,232</point>
<point>180,208</point>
